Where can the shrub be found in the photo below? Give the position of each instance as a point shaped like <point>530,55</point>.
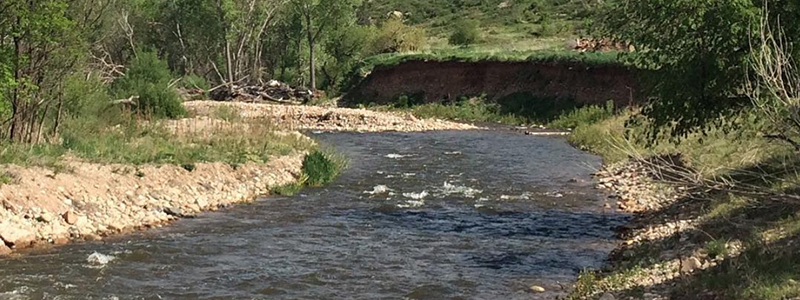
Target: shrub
<point>193,81</point>
<point>465,33</point>
<point>395,36</point>
<point>88,98</point>
<point>321,168</point>
<point>149,78</point>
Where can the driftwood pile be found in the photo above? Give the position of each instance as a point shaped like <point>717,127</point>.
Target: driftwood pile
<point>272,91</point>
<point>598,45</point>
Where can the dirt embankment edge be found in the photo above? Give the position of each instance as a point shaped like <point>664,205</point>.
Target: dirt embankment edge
<point>438,81</point>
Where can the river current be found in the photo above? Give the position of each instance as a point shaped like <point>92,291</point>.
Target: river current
<point>439,215</point>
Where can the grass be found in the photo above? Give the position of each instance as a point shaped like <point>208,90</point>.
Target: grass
<point>769,230</point>
<point>6,178</point>
<point>319,168</point>
<point>516,110</point>
<point>322,167</point>
<point>290,189</point>
<point>503,22</point>
<point>227,113</point>
<point>183,143</point>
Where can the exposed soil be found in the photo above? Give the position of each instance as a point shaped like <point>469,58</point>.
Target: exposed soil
<point>433,81</point>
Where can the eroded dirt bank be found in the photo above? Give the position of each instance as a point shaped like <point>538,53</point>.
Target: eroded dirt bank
<point>432,81</point>
<point>89,200</point>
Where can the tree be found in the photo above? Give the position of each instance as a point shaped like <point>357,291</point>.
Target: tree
<point>39,46</point>
<point>319,17</point>
<point>345,46</point>
<point>775,86</point>
<point>697,50</point>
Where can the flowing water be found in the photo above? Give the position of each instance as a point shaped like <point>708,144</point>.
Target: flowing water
<point>443,215</point>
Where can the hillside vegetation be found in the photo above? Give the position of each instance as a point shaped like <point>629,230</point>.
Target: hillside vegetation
<point>504,24</point>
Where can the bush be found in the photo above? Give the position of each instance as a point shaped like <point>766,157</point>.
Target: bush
<point>193,81</point>
<point>321,168</point>
<point>148,78</point>
<point>88,98</point>
<point>395,36</point>
<point>465,33</point>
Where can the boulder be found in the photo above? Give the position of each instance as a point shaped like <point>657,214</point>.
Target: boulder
<point>16,237</point>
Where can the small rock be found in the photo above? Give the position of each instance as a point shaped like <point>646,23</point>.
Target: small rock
<point>537,289</point>
<point>90,237</point>
<point>174,211</point>
<point>99,259</point>
<point>60,241</point>
<point>45,217</point>
<point>607,296</point>
<point>4,250</point>
<point>70,217</point>
<point>690,264</point>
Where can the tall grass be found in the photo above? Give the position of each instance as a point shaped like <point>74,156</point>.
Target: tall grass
<point>322,167</point>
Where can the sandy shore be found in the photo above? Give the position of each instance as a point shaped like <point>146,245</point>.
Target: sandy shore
<point>90,201</point>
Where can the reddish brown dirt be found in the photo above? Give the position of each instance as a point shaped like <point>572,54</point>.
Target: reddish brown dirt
<point>443,81</point>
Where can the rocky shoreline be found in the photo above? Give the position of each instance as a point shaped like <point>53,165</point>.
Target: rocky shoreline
<point>661,230</point>
<point>295,117</point>
<point>89,201</point>
<point>93,200</point>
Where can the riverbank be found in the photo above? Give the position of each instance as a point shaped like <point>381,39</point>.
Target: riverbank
<point>86,194</point>
<point>323,118</point>
<point>715,217</point>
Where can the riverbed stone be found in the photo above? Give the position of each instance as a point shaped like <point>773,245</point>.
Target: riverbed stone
<point>16,237</point>
<point>70,217</point>
<point>690,264</point>
<point>4,250</point>
<point>607,296</point>
<point>537,289</point>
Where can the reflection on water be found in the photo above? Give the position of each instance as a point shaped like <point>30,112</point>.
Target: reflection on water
<point>445,215</point>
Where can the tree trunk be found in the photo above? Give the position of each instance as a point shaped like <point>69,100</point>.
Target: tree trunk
<point>311,68</point>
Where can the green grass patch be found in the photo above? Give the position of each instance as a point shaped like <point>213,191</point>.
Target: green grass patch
<point>517,110</point>
<point>291,189</point>
<point>586,115</point>
<point>319,168</point>
<point>138,143</point>
<point>322,167</point>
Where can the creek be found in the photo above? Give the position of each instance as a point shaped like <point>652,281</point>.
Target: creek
<point>438,215</point>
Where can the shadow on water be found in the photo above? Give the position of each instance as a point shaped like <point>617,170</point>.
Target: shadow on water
<point>465,215</point>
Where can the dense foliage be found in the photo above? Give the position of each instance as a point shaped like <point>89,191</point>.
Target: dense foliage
<point>698,51</point>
